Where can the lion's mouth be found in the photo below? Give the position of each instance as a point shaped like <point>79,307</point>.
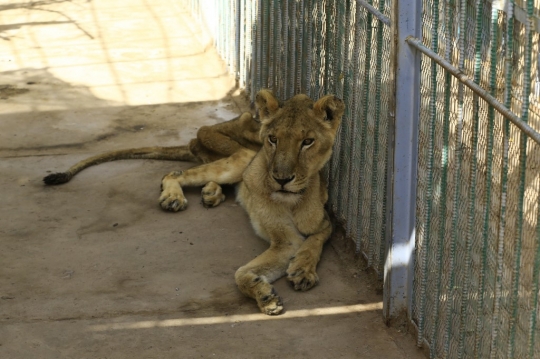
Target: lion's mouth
<point>290,192</point>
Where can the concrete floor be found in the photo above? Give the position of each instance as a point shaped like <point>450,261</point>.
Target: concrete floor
<point>94,268</point>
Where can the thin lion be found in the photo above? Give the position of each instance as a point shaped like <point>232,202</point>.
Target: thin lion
<point>276,165</point>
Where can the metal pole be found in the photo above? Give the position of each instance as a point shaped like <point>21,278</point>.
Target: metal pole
<point>403,161</point>
<point>522,125</point>
<point>375,12</point>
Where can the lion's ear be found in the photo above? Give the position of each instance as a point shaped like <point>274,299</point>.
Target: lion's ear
<point>266,104</point>
<point>330,109</point>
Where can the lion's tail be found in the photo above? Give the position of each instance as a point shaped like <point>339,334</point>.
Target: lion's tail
<point>178,153</point>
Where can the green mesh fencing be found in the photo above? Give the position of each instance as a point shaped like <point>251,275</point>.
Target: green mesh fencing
<point>476,273</point>
<point>477,253</point>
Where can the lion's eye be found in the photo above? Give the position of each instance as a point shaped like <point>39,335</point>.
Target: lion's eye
<point>308,141</point>
<point>272,139</point>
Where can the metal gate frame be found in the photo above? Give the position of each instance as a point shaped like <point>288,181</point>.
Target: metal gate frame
<point>399,267</point>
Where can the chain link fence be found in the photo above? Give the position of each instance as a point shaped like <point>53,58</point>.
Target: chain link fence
<point>474,260</point>
<point>476,273</point>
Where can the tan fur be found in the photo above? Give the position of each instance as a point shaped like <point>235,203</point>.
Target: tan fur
<point>281,189</point>
<point>212,143</point>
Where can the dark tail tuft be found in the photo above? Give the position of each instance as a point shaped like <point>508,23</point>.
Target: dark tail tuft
<point>57,178</point>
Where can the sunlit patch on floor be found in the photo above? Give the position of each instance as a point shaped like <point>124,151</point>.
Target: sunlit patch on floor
<point>302,313</point>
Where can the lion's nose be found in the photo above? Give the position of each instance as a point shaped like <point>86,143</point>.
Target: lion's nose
<point>283,181</point>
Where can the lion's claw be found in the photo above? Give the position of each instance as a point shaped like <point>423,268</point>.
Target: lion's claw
<point>173,203</point>
<point>271,304</point>
<point>302,274</point>
<point>275,309</point>
<point>303,281</point>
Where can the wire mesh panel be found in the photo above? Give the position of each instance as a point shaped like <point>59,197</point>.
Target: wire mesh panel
<point>476,273</point>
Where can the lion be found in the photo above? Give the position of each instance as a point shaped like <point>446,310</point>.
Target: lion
<point>281,188</point>
<point>275,159</point>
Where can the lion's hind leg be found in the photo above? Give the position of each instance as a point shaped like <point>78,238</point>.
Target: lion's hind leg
<point>224,171</point>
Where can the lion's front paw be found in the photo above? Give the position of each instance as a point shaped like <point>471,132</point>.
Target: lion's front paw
<point>302,272</point>
<point>212,195</point>
<point>270,304</point>
<point>173,202</point>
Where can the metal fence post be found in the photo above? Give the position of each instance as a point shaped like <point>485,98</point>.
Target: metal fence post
<point>403,160</point>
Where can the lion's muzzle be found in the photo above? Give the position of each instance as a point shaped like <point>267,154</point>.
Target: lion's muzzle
<point>283,181</point>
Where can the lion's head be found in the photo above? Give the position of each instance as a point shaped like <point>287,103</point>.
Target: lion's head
<point>297,139</point>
